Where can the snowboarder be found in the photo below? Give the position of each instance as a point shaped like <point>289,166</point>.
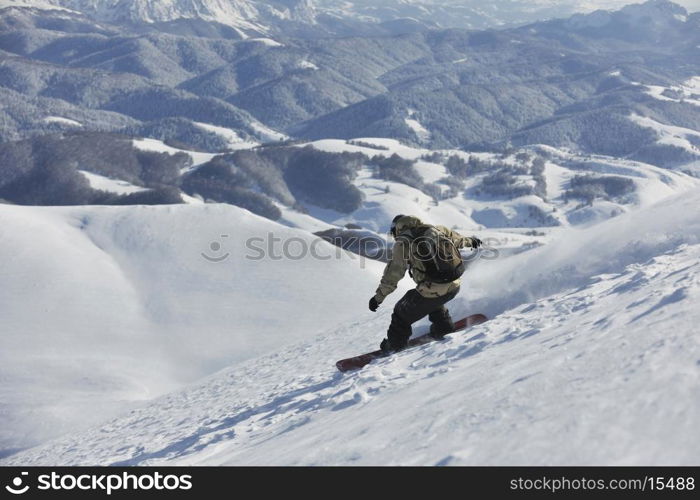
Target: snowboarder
<point>431,255</point>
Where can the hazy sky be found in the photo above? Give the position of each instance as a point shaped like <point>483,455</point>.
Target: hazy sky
<point>690,5</point>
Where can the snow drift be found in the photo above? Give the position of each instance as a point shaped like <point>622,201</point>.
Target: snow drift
<point>104,306</point>
<point>577,254</point>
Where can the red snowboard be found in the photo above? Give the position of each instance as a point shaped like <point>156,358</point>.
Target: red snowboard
<point>357,362</point>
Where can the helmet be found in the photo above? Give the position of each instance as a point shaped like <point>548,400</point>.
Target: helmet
<point>392,231</point>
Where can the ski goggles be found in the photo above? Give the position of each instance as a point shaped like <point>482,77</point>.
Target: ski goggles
<point>392,229</point>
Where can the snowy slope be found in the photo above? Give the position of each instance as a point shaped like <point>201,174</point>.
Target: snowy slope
<point>591,358</point>
<point>688,92</point>
<point>679,137</point>
<point>156,146</point>
<point>101,307</point>
<point>111,185</point>
<point>469,211</point>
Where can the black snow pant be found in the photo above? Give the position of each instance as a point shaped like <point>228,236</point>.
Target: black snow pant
<point>412,307</point>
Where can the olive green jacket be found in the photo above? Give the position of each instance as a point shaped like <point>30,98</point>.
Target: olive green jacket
<point>401,258</point>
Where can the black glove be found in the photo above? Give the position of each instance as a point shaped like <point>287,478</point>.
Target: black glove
<point>373,304</point>
<point>476,242</point>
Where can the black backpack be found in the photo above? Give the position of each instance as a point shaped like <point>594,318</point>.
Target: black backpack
<point>439,255</point>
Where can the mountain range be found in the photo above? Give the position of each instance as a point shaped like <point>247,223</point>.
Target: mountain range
<point>78,91</point>
<point>311,18</point>
<point>566,138</point>
<point>567,83</point>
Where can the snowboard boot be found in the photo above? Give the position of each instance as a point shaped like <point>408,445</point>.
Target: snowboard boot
<point>441,323</point>
<point>387,346</point>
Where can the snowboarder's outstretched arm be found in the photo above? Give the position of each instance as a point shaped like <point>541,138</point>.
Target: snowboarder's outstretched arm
<point>459,240</point>
<point>394,271</point>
